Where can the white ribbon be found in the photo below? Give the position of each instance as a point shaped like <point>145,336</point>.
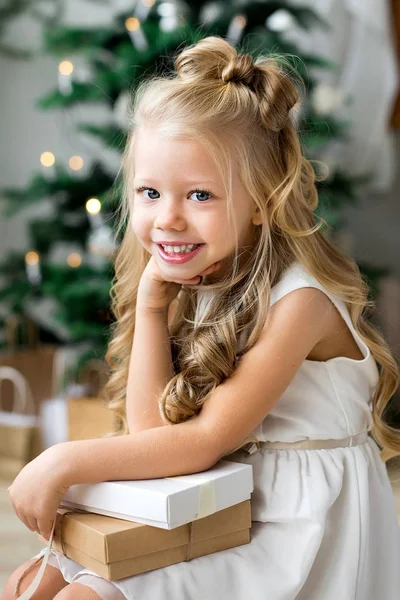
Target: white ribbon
<point>31,589</point>
<point>207,495</point>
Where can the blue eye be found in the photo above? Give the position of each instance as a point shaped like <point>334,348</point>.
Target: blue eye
<point>201,192</point>
<point>142,188</point>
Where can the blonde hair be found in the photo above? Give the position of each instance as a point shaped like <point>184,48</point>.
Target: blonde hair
<point>242,110</point>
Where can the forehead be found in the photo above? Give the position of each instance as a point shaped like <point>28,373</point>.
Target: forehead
<point>160,156</point>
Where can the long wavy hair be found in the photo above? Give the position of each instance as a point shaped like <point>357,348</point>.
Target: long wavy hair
<point>244,112</point>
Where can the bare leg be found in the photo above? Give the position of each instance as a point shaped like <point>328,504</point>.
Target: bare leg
<point>90,588</point>
<point>51,583</point>
<point>77,591</point>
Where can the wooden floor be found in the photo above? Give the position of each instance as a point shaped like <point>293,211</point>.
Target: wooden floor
<point>18,544</point>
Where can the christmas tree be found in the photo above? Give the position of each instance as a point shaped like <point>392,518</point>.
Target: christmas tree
<point>68,295</point>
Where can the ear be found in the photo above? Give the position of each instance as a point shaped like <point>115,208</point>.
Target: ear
<point>256,218</point>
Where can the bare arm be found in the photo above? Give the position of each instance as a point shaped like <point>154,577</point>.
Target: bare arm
<point>150,368</point>
<point>181,449</point>
<point>294,325</point>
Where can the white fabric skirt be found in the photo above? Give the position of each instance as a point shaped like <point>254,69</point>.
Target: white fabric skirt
<point>324,527</point>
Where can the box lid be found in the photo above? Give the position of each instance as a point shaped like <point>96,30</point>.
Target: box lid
<point>168,502</point>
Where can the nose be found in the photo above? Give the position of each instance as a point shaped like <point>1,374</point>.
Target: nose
<point>169,215</point>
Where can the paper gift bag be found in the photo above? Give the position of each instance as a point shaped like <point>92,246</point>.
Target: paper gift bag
<point>89,418</point>
<point>88,414</point>
<point>68,419</point>
<point>38,366</point>
<point>114,548</point>
<point>20,438</point>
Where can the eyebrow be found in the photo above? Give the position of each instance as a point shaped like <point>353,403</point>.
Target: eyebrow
<point>199,181</point>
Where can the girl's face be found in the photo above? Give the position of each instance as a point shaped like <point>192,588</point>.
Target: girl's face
<point>182,201</point>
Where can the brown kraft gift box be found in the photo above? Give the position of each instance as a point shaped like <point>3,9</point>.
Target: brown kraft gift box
<point>114,548</point>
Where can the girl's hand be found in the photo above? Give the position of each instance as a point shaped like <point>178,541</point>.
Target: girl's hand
<point>37,491</point>
<point>156,291</point>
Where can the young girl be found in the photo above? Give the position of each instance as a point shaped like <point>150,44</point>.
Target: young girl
<point>239,334</point>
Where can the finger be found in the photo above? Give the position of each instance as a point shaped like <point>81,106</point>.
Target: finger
<point>45,527</point>
<point>211,268</point>
<point>33,524</point>
<point>29,522</point>
<point>192,281</point>
<point>25,521</point>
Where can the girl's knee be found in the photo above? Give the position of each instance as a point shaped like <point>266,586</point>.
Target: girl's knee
<point>51,583</point>
<point>77,591</point>
<point>93,589</point>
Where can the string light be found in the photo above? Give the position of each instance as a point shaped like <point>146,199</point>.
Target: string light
<point>134,28</point>
<point>74,260</point>
<point>66,67</point>
<point>75,163</point>
<point>101,244</point>
<point>32,267</point>
<point>235,29</point>
<point>132,24</point>
<point>47,159</point>
<point>65,70</point>
<point>32,258</point>
<point>142,9</point>
<point>93,207</point>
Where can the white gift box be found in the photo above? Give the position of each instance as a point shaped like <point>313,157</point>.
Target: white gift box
<point>168,502</point>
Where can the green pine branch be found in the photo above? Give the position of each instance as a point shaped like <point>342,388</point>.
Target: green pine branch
<point>69,192</point>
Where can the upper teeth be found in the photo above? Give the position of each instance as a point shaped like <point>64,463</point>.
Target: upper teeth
<point>178,249</point>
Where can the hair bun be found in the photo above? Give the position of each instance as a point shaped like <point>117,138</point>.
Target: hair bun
<point>240,68</point>
<point>215,59</point>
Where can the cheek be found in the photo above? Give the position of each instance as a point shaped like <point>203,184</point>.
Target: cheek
<point>227,234</point>
<point>140,226</point>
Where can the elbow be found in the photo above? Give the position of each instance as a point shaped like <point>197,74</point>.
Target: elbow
<point>208,460</point>
<point>196,448</point>
<point>220,447</point>
<point>209,452</point>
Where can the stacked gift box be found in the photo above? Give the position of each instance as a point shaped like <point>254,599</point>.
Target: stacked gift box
<point>122,528</point>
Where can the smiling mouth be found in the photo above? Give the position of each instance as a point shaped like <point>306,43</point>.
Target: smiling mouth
<point>179,257</point>
<point>174,253</point>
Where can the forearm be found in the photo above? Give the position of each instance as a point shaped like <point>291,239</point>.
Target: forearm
<point>154,453</point>
<point>149,371</point>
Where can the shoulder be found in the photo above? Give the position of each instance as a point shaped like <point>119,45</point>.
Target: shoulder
<point>301,318</point>
<point>294,325</point>
<point>298,290</point>
<point>309,303</point>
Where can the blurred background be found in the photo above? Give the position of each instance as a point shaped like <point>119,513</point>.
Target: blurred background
<point>67,69</point>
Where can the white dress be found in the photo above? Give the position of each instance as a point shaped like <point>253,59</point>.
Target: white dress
<point>324,521</point>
